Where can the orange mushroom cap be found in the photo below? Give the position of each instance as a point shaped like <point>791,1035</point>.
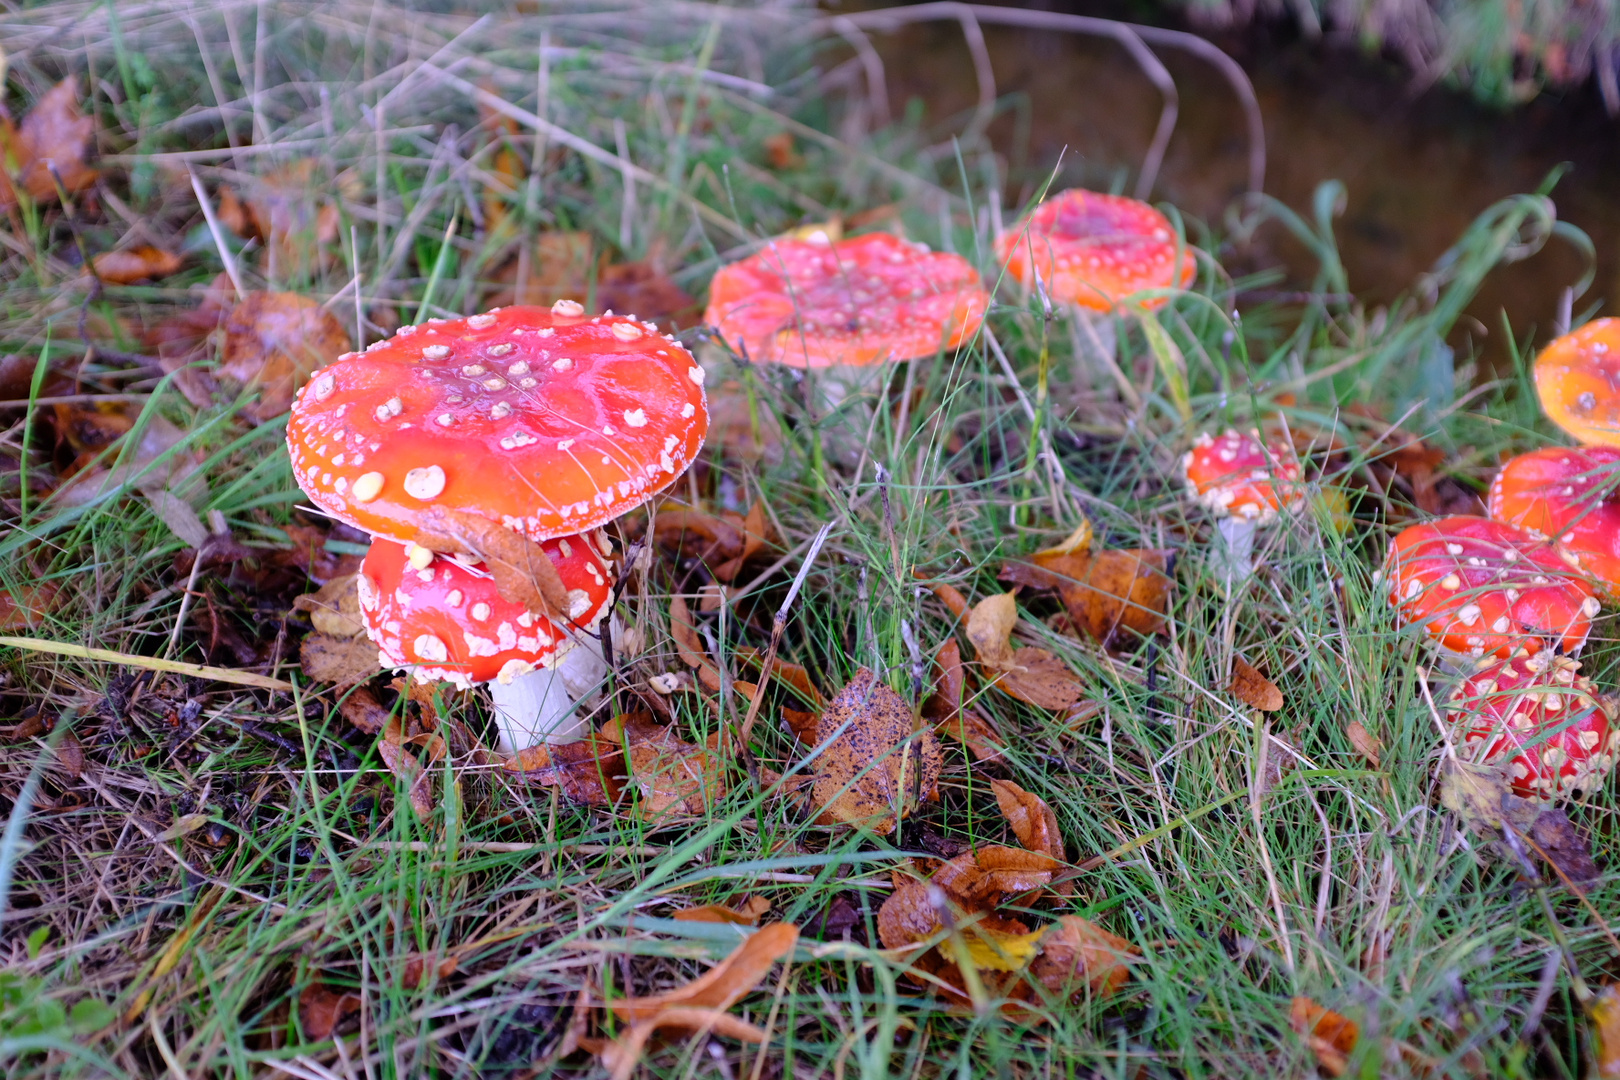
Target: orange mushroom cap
<point>546,420</point>
<point>1487,588</point>
<point>1548,726</point>
<point>861,301</point>
<point>445,620</point>
<point>1569,495</point>
<point>1234,475</point>
<point>1095,250</point>
<point>1578,382</point>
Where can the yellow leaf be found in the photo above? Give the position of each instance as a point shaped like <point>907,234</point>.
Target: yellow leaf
<point>990,951</point>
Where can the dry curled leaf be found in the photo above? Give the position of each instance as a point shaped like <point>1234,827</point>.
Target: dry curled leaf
<point>1548,833</point>
<point>1603,1010</point>
<point>1253,688</point>
<point>1103,592</point>
<point>1031,675</point>
<point>334,608</point>
<point>339,661</point>
<point>1366,743</point>
<point>722,985</point>
<point>523,572</point>
<point>587,772</point>
<point>70,755</point>
<point>273,341</point>
<point>1473,792</point>
<point>804,725</point>
<point>25,607</point>
<point>872,767</point>
<point>321,1008</point>
<point>1331,1037</point>
<point>689,643</point>
<point>793,675</point>
<point>54,134</point>
<point>747,914</point>
<point>361,708</point>
<point>983,878</point>
<point>945,707</point>
<point>136,264</point>
<point>673,777</point>
<point>416,775</point>
<point>1032,821</point>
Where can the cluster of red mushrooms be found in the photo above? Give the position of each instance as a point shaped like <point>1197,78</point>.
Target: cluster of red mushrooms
<point>1507,600</point>
<point>551,422</point>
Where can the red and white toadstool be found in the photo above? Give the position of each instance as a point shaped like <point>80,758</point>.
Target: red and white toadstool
<point>846,303</point>
<point>1486,588</point>
<point>1093,251</point>
<point>1578,382</point>
<point>1245,483</point>
<point>1567,494</point>
<point>546,420</point>
<point>441,618</point>
<point>1536,717</point>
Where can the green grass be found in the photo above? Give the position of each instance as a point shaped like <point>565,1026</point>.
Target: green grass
<point>1334,880</point>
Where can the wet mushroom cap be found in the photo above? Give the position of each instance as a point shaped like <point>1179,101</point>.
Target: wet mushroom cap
<point>443,619</point>
<point>1567,494</point>
<point>1578,382</point>
<point>1095,250</point>
<point>543,419</point>
<point>1234,475</point>
<point>1540,720</point>
<point>861,301</point>
<point>1488,588</point>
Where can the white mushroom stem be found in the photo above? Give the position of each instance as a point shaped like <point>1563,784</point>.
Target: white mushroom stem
<point>549,704</point>
<point>830,392</point>
<point>1096,342</point>
<point>1233,557</point>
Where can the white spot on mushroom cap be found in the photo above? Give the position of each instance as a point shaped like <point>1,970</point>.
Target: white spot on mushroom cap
<point>435,352</point>
<point>481,322</point>
<point>571,309</point>
<point>323,387</point>
<point>635,417</point>
<point>431,649</point>
<point>368,487</point>
<point>424,483</point>
<point>419,557</point>
<point>626,331</point>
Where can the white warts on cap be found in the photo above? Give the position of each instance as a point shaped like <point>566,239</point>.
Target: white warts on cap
<point>625,331</point>
<point>568,308</point>
<point>323,387</point>
<point>635,417</point>
<point>368,487</point>
<point>431,649</point>
<point>424,483</point>
<point>435,352</point>
<point>579,602</point>
<point>481,322</point>
<point>419,557</point>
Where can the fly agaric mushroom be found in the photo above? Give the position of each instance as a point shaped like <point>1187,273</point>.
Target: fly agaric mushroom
<point>1245,484</point>
<point>1092,251</point>
<point>545,420</point>
<point>1568,495</point>
<point>1578,382</point>
<point>849,303</point>
<point>1486,588</point>
<point>1546,725</point>
<point>443,619</point>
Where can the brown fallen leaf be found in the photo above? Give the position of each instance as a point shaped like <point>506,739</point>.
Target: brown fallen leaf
<point>948,595</point>
<point>981,879</point>
<point>722,985</point>
<point>1031,675</point>
<point>588,772</point>
<point>70,755</point>
<point>290,210</point>
<point>560,266</point>
<point>339,661</point>
<point>322,1008</point>
<point>523,572</point>
<point>1474,793</point>
<point>1103,592</point>
<point>417,967</point>
<point>334,608</point>
<point>622,1054</point>
<point>1331,1037</point>
<point>53,134</point>
<point>1366,743</point>
<point>794,675</point>
<point>689,644</point>
<point>1078,958</point>
<point>804,725</point>
<point>1253,688</point>
<point>1549,834</point>
<point>872,767</point>
<point>951,719</point>
<point>361,708</point>
<point>644,289</point>
<point>779,151</point>
<point>673,777</point>
<point>1603,1010</point>
<point>506,169</point>
<point>1032,821</point>
<point>136,264</point>
<point>752,910</point>
<point>417,776</point>
<point>26,607</point>
<point>273,341</point>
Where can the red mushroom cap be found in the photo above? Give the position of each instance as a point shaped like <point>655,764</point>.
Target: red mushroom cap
<point>1488,588</point>
<point>1569,495</point>
<point>1234,475</point>
<point>1550,727</point>
<point>1095,250</point>
<point>865,300</point>
<point>1578,382</point>
<point>545,420</point>
<point>444,619</point>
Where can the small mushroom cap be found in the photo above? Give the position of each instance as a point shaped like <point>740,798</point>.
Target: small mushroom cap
<point>444,619</point>
<point>861,301</point>
<point>1578,382</point>
<point>1569,495</point>
<point>1234,475</point>
<point>1545,724</point>
<point>1095,250</point>
<point>543,419</point>
<point>1487,588</point>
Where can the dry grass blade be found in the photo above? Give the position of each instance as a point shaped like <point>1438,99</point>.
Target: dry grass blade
<point>150,663</point>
